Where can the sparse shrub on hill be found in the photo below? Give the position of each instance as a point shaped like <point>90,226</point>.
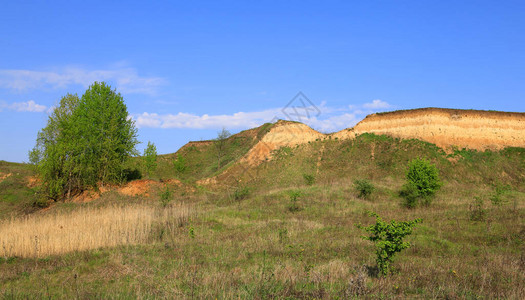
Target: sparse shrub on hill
<point>150,158</point>
<point>294,198</point>
<point>241,193</point>
<point>309,179</point>
<point>180,164</point>
<point>364,188</point>
<point>477,210</point>
<point>422,183</point>
<point>388,238</point>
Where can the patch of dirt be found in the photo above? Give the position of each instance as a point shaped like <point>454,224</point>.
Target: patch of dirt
<point>32,181</point>
<point>2,177</point>
<point>138,187</point>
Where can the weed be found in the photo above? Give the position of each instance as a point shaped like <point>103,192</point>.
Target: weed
<point>165,197</point>
<point>477,210</point>
<point>294,206</point>
<point>283,235</point>
<point>241,193</point>
<point>364,188</point>
<point>180,164</point>
<point>309,179</point>
<point>497,196</point>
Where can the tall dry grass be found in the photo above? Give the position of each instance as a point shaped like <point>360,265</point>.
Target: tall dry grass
<point>86,228</point>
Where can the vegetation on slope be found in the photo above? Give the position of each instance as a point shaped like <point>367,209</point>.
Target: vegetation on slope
<point>246,241</point>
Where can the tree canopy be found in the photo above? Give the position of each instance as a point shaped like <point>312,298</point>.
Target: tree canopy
<point>86,141</point>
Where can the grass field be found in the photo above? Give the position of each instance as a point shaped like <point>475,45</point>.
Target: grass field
<point>243,240</point>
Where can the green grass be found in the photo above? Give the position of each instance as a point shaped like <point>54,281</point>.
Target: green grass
<point>255,247</point>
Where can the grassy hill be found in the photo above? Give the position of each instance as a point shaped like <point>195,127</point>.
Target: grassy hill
<point>243,235</point>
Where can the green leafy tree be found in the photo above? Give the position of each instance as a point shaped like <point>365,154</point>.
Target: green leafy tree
<point>53,154</point>
<point>86,141</point>
<point>388,239</point>
<point>150,158</point>
<point>220,145</point>
<point>422,182</point>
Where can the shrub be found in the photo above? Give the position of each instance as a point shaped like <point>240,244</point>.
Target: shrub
<point>388,238</point>
<point>150,158</point>
<point>293,206</point>
<point>364,188</point>
<point>497,196</point>
<point>241,193</point>
<point>309,179</point>
<point>422,183</point>
<point>477,210</point>
<point>179,164</point>
<point>166,196</point>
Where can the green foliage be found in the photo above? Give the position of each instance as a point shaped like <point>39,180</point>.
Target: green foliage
<point>309,179</point>
<point>388,238</point>
<point>477,210</point>
<point>294,197</point>
<point>241,193</point>
<point>85,141</point>
<point>497,196</point>
<point>364,188</point>
<point>150,158</point>
<point>422,183</point>
<point>180,164</point>
<point>220,145</point>
<point>166,196</point>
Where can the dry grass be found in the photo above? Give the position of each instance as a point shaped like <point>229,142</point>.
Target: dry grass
<point>85,228</point>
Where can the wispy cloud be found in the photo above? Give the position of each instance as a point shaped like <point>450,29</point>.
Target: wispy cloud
<point>28,106</point>
<point>125,79</point>
<point>377,104</point>
<point>330,119</point>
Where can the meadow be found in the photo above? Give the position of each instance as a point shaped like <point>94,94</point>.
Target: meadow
<point>248,238</point>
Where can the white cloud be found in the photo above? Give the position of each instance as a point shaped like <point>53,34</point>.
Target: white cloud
<point>329,119</point>
<point>126,80</point>
<point>28,106</point>
<point>377,104</point>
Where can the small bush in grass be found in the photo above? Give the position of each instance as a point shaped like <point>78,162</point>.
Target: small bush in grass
<point>180,164</point>
<point>309,179</point>
<point>241,193</point>
<point>388,238</point>
<point>497,196</point>
<point>477,210</point>
<point>166,196</point>
<point>422,183</point>
<point>364,188</point>
<point>294,206</point>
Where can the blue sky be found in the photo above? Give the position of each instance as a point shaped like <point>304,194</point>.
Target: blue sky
<point>186,69</point>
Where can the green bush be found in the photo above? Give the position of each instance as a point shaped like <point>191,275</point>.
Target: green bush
<point>294,196</point>
<point>364,188</point>
<point>150,158</point>
<point>388,238</point>
<point>241,193</point>
<point>180,164</point>
<point>422,183</point>
<point>166,196</point>
<point>477,210</point>
<point>309,179</point>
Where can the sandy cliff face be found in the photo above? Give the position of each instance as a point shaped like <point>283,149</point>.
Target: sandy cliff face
<point>472,129</point>
<point>282,134</point>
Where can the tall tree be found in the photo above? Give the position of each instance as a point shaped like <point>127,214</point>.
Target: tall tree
<point>86,142</point>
